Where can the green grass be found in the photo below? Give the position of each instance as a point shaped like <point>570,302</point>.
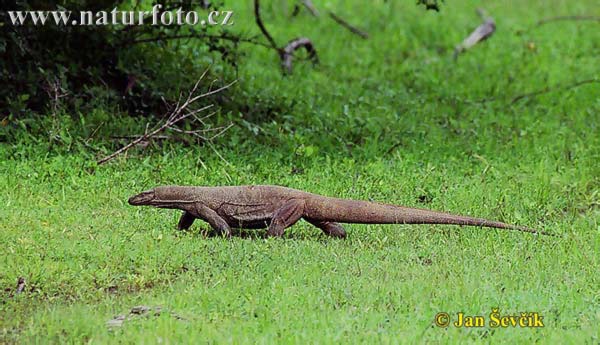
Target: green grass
<point>392,119</point>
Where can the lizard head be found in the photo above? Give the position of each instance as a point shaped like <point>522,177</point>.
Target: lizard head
<point>144,198</point>
<point>163,196</point>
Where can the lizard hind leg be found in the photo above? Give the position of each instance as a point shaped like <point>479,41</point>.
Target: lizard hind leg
<point>286,216</point>
<point>329,228</point>
<point>186,220</point>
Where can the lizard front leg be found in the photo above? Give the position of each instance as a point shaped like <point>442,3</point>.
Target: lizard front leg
<point>186,220</point>
<point>330,228</point>
<point>211,217</point>
<point>286,216</point>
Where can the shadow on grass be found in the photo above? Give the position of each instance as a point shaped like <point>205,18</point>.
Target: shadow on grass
<point>253,234</point>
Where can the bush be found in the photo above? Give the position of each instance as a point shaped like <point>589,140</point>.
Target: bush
<point>75,66</point>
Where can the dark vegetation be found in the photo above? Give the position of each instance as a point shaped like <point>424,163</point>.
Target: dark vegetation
<point>133,67</point>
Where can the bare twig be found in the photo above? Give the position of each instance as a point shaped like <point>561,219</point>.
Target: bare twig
<point>176,115</point>
<point>262,27</point>
<point>141,138</point>
<point>481,33</point>
<point>87,140</point>
<point>292,46</point>
<point>550,89</point>
<point>55,91</point>
<point>310,7</point>
<point>348,26</point>
<point>285,53</point>
<point>547,89</point>
<point>222,130</point>
<point>571,18</point>
<point>129,137</point>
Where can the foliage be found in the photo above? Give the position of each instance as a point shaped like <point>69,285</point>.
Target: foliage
<point>75,66</point>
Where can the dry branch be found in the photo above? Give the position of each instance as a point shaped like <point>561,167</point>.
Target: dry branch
<point>261,25</point>
<point>310,7</point>
<point>550,89</point>
<point>295,44</point>
<point>348,26</point>
<point>180,112</point>
<point>286,53</point>
<point>566,18</point>
<point>481,33</point>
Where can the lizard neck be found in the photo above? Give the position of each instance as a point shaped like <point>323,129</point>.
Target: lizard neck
<point>178,197</point>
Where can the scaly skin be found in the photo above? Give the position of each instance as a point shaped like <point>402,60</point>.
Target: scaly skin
<point>277,208</point>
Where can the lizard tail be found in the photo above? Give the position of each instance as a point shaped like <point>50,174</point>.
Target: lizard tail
<point>365,212</point>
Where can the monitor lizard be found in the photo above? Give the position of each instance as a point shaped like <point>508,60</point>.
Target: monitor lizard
<point>277,208</point>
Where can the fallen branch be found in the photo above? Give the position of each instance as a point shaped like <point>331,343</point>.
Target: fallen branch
<point>550,89</point>
<point>565,18</point>
<point>348,26</point>
<point>156,137</point>
<point>285,53</point>
<point>292,46</point>
<point>179,113</point>
<point>481,33</point>
<point>547,89</point>
<point>310,7</point>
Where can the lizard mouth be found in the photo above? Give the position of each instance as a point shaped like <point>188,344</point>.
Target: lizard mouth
<point>144,198</point>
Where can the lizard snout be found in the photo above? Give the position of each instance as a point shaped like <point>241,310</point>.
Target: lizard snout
<point>144,198</point>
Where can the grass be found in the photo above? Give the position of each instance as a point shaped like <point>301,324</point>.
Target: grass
<point>393,119</point>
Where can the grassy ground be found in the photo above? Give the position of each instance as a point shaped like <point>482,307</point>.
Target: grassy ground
<point>391,118</point>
